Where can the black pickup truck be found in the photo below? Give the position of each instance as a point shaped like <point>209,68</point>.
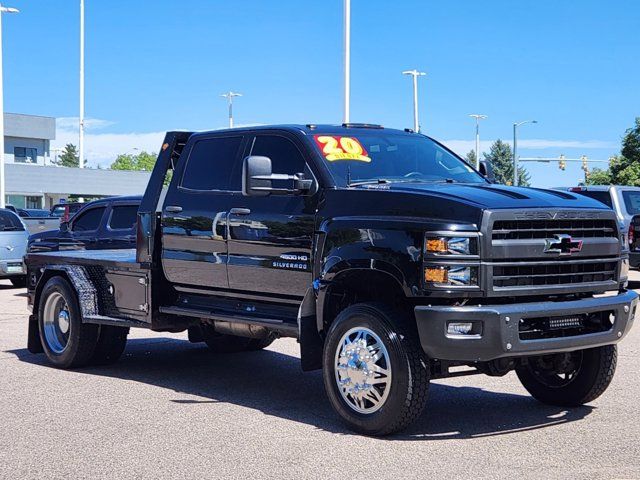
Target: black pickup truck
<point>389,258</point>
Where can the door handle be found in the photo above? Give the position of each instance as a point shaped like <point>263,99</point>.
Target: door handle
<point>239,211</point>
<point>173,209</point>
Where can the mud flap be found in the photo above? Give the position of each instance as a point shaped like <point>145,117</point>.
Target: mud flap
<point>34,345</point>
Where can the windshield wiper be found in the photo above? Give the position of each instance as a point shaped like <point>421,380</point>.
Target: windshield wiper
<point>369,182</point>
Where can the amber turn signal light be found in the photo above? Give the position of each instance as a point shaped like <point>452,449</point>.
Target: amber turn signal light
<point>435,275</point>
<point>437,245</point>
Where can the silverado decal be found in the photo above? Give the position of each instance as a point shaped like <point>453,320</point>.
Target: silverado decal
<point>336,148</point>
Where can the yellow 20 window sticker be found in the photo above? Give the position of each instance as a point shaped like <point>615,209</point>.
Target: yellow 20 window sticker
<point>335,148</point>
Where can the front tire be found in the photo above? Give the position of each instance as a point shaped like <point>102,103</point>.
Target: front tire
<point>570,379</point>
<point>67,342</point>
<point>376,377</point>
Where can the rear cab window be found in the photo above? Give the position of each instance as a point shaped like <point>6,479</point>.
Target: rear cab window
<point>9,222</point>
<point>631,201</point>
<point>602,196</point>
<point>123,217</point>
<point>88,221</point>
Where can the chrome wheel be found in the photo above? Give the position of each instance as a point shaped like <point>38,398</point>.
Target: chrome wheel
<point>56,321</point>
<point>363,370</point>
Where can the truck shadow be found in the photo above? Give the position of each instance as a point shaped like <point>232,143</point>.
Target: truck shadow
<point>273,383</point>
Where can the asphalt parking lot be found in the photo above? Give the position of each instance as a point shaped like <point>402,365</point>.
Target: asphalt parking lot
<point>171,409</point>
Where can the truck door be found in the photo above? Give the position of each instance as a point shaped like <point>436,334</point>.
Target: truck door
<point>194,214</point>
<point>270,237</point>
<point>83,230</point>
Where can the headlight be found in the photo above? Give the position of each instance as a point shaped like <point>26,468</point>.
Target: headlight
<point>451,275</point>
<point>451,245</point>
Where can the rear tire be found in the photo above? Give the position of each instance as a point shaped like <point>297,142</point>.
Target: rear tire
<point>570,380</point>
<point>67,342</point>
<point>19,282</point>
<point>375,375</point>
<point>111,344</point>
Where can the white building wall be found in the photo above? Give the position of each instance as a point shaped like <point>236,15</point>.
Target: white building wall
<point>42,147</point>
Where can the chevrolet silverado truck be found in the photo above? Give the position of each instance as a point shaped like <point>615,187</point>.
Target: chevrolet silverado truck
<point>389,258</point>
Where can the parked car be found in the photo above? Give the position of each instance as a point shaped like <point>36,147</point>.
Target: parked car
<point>65,211</point>
<point>13,246</point>
<point>33,213</point>
<point>102,224</point>
<point>623,200</point>
<point>634,242</point>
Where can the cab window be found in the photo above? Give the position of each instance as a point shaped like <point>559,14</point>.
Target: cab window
<point>88,221</point>
<point>123,217</point>
<point>210,164</point>
<point>285,156</point>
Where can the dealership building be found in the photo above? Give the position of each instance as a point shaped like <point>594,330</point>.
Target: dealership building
<point>32,181</point>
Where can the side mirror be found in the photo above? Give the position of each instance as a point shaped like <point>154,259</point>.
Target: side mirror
<point>256,173</point>
<point>486,170</point>
<point>257,179</point>
<point>64,227</point>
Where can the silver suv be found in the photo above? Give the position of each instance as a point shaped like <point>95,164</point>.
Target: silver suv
<point>13,246</point>
<point>623,200</point>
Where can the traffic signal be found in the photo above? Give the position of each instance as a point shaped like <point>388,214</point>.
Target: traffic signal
<point>562,165</point>
<point>585,167</point>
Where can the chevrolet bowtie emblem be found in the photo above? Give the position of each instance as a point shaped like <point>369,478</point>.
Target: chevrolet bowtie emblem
<point>562,245</point>
<point>10,247</point>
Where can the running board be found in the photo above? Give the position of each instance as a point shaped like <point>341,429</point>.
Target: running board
<point>284,328</point>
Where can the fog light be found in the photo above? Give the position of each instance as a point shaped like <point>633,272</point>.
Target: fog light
<point>459,328</point>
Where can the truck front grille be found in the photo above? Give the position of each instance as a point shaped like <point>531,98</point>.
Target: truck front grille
<point>531,229</point>
<point>553,273</point>
<point>547,251</point>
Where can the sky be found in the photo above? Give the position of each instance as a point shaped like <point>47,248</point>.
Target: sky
<point>159,65</point>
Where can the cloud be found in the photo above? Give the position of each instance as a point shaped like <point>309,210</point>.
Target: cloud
<point>71,123</point>
<point>462,147</point>
<point>103,148</point>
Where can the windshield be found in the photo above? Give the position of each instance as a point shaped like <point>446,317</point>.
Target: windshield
<point>381,157</point>
<point>631,201</point>
<point>9,222</point>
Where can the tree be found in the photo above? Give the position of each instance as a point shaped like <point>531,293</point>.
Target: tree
<point>143,161</point>
<point>471,157</point>
<point>501,159</point>
<point>624,169</point>
<point>69,157</point>
<point>599,177</point>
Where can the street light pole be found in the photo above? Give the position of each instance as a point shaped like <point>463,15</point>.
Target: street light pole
<point>347,60</point>
<point>415,74</point>
<point>515,149</point>
<point>478,117</point>
<point>81,117</point>
<point>229,96</point>
<point>2,177</point>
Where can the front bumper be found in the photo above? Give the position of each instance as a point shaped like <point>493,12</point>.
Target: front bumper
<point>12,268</point>
<point>500,335</point>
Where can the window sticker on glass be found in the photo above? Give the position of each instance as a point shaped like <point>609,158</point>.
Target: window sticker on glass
<point>335,148</point>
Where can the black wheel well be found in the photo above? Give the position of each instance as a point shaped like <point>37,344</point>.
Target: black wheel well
<point>358,286</point>
<point>42,281</point>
